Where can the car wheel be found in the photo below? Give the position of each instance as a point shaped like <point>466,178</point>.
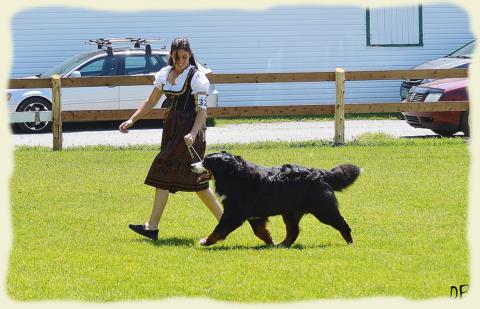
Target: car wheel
<point>32,105</point>
<point>465,123</point>
<point>444,133</point>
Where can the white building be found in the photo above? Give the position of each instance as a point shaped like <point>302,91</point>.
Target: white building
<point>282,39</point>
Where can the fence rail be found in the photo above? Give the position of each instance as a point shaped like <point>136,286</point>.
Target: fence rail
<point>337,108</point>
<point>244,78</point>
<point>249,111</point>
<point>39,116</point>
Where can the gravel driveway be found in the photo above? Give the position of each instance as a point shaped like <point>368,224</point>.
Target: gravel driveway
<point>239,133</point>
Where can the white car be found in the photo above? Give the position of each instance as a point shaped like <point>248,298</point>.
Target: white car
<point>106,61</point>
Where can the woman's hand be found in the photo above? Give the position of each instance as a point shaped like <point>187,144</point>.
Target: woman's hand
<point>125,125</point>
<point>189,139</point>
<point>144,109</point>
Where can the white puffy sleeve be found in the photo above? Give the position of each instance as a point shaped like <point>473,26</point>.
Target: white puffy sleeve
<point>161,77</point>
<point>200,83</point>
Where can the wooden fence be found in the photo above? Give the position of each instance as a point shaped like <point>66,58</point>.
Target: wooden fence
<point>338,109</point>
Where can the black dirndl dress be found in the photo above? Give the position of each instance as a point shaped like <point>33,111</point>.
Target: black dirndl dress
<point>171,170</point>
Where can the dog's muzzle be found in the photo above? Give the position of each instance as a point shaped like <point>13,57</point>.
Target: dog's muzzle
<point>205,175</point>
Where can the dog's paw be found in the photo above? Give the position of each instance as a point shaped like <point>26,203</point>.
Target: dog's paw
<point>203,242</point>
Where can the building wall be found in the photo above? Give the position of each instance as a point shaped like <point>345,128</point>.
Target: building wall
<point>282,39</point>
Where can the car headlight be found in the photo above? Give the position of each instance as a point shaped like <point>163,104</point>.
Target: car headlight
<point>9,95</point>
<point>433,97</point>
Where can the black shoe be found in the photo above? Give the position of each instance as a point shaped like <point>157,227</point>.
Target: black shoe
<point>140,229</point>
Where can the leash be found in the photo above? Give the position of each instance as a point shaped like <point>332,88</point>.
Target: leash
<point>192,151</point>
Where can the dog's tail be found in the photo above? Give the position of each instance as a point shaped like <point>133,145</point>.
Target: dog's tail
<point>342,176</point>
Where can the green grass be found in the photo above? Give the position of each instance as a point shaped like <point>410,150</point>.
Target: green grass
<point>408,213</point>
<point>267,119</point>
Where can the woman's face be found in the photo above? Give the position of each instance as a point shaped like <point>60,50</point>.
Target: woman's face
<point>181,59</point>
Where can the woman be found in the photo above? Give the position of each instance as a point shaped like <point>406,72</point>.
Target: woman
<point>185,88</point>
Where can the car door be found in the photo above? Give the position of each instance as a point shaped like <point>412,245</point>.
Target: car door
<point>93,98</point>
<point>139,64</point>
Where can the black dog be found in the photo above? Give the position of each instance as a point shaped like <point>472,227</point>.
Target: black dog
<point>254,193</point>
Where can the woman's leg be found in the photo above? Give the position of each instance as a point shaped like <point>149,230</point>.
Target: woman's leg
<point>161,198</point>
<point>150,229</point>
<point>208,198</point>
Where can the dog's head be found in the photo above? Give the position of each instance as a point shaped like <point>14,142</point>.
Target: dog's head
<point>215,164</point>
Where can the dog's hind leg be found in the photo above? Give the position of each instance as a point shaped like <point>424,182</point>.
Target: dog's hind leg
<point>329,214</point>
<point>338,223</point>
<point>226,225</point>
<point>259,226</point>
<point>291,224</point>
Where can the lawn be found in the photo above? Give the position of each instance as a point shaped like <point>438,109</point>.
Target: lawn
<point>407,211</point>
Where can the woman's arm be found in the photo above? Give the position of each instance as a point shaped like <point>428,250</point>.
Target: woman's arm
<point>144,109</point>
<point>197,125</point>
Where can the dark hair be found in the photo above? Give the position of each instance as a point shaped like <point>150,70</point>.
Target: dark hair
<point>181,44</point>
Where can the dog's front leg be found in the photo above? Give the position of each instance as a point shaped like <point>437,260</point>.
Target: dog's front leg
<point>226,225</point>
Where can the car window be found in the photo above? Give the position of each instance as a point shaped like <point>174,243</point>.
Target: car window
<point>140,64</point>
<point>105,66</point>
<point>163,58</point>
<point>67,65</point>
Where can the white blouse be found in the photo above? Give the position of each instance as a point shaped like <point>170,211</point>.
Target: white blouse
<point>200,82</point>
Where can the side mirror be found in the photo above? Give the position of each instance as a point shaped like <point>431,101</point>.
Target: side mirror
<point>76,74</point>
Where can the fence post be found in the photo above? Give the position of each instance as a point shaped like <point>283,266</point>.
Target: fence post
<point>340,107</point>
<point>57,113</point>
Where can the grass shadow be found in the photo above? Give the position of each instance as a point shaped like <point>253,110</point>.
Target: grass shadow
<point>296,246</point>
<point>191,242</point>
<point>432,137</point>
<point>170,242</point>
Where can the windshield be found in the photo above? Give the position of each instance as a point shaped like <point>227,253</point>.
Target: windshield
<point>67,65</point>
<point>464,51</point>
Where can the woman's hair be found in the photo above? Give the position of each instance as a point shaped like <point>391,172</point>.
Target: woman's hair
<point>181,44</point>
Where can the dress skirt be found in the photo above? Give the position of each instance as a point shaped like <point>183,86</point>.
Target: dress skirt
<point>171,170</point>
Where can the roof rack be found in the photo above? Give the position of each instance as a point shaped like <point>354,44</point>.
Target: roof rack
<point>137,42</point>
